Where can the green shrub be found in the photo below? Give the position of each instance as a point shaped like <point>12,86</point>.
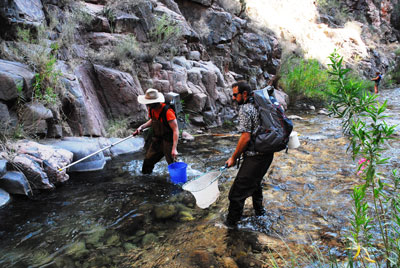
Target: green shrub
<point>375,220</point>
<point>41,55</point>
<point>164,36</point>
<point>109,13</point>
<point>303,78</point>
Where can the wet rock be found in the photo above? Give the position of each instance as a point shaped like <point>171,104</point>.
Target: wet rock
<point>295,117</point>
<point>185,216</point>
<point>82,147</point>
<point>203,258</point>
<point>131,224</point>
<point>188,199</point>
<point>49,159</point>
<point>149,239</point>
<point>4,198</point>
<point>95,237</point>
<point>15,182</point>
<point>187,136</point>
<point>164,211</point>
<point>248,261</point>
<point>128,246</point>
<point>228,262</point>
<point>33,171</point>
<point>127,147</point>
<point>113,240</point>
<point>3,166</point>
<point>77,250</point>
<point>40,257</point>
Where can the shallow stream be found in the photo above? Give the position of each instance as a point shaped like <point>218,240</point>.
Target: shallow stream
<point>121,218</point>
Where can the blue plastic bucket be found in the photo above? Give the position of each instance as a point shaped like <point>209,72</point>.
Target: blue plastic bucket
<point>177,172</point>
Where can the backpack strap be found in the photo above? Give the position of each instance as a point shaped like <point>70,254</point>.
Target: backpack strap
<point>163,115</point>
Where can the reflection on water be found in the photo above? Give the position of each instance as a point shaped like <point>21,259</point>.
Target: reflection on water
<point>120,217</point>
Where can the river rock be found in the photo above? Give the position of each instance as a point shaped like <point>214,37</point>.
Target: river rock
<point>229,262</point>
<point>4,198</point>
<point>149,239</point>
<point>95,236</point>
<point>187,136</point>
<point>129,146</point>
<point>30,166</point>
<point>203,258</point>
<point>77,250</point>
<point>49,158</point>
<point>3,166</point>
<point>15,182</point>
<point>82,147</point>
<point>164,211</point>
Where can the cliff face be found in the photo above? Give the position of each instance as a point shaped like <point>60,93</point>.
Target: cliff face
<point>93,58</point>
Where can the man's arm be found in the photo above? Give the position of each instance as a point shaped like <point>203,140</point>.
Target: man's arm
<point>144,126</point>
<point>175,136</point>
<point>240,147</point>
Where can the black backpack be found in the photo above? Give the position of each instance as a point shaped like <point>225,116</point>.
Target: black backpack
<point>273,133</point>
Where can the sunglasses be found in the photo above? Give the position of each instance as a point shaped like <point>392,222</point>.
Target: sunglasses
<point>235,94</point>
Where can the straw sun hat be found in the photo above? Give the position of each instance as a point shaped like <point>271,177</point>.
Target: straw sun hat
<point>152,96</point>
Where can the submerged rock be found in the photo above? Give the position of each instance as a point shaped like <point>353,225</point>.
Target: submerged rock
<point>4,198</point>
<point>149,238</point>
<point>164,211</point>
<point>15,182</point>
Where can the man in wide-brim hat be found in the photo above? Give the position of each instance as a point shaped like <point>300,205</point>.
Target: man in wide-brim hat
<point>165,130</point>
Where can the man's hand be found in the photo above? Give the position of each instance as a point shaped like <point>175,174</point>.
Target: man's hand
<point>230,162</point>
<point>174,153</point>
<point>137,131</point>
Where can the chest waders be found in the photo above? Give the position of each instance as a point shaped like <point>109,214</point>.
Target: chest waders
<point>160,143</point>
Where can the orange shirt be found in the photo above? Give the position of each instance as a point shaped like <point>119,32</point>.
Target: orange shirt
<point>156,113</point>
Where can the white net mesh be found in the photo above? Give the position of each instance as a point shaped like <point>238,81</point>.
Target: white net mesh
<point>202,182</point>
<point>204,189</point>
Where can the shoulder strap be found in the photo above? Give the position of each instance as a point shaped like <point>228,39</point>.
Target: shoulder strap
<point>163,115</point>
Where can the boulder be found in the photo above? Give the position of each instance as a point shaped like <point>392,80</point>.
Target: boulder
<point>15,182</point>
<point>84,110</point>
<point>3,166</point>
<point>34,116</point>
<point>49,158</point>
<point>176,18</point>
<point>4,117</point>
<point>165,211</point>
<point>22,12</point>
<point>4,198</point>
<point>129,146</point>
<point>125,23</point>
<point>118,92</point>
<point>33,171</point>
<point>14,75</point>
<point>82,147</point>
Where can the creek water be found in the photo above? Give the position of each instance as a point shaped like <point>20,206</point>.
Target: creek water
<point>121,218</point>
